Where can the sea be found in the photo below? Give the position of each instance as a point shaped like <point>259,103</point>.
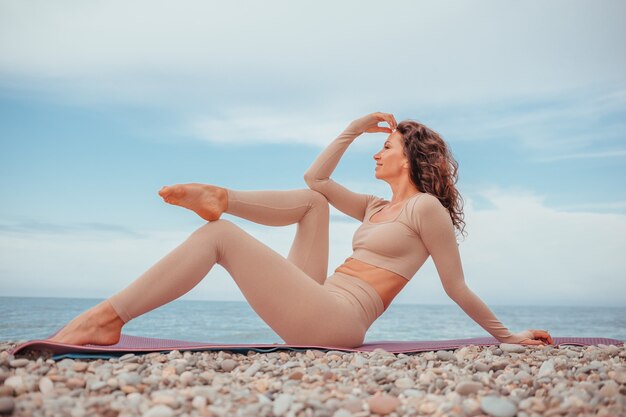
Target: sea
<point>30,318</point>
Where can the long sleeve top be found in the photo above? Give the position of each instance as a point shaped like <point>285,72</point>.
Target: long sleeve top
<point>423,228</point>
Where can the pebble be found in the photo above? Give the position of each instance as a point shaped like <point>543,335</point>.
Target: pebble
<point>198,402</point>
<point>159,411</point>
<point>512,348</point>
<point>65,363</point>
<point>95,385</point>
<point>128,378</point>
<point>446,355</point>
<point>470,407</point>
<point>18,363</point>
<point>342,413</point>
<point>252,369</point>
<point>80,366</point>
<point>169,371</point>
<point>427,407</point>
<point>471,381</point>
<point>383,404</point>
<point>46,385</point>
<point>7,404</point>
<point>498,407</point>
<point>482,367</point>
<point>404,383</point>
<point>228,365</point>
<point>281,404</point>
<point>75,383</point>
<point>186,378</point>
<point>165,399</point>
<point>468,387</point>
<point>620,376</point>
<point>353,405</point>
<point>16,382</point>
<point>609,389</point>
<point>547,369</point>
<point>129,358</point>
<point>297,375</point>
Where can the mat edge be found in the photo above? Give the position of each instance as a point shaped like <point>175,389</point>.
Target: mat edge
<point>44,346</point>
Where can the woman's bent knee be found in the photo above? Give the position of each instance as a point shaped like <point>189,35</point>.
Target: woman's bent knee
<point>317,198</point>
<point>215,226</point>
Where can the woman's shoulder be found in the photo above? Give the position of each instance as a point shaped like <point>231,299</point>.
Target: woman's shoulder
<point>425,205</point>
<point>373,203</point>
<point>428,201</point>
<point>376,202</point>
<point>375,199</point>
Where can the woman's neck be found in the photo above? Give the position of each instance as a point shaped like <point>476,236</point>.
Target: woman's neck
<point>402,191</point>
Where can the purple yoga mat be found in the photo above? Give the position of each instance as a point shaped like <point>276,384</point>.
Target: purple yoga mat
<point>129,343</point>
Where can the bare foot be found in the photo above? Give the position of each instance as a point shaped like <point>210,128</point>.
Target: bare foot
<point>100,325</point>
<point>208,201</point>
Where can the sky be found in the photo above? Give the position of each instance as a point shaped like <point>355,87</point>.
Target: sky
<point>103,103</point>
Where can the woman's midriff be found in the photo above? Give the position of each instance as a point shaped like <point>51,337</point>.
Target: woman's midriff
<point>386,283</point>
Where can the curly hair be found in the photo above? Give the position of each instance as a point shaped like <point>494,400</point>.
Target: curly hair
<point>433,168</point>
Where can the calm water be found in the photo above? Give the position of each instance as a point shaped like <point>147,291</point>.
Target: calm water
<point>235,322</point>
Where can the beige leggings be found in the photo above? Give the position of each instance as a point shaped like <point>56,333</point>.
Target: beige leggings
<point>293,295</point>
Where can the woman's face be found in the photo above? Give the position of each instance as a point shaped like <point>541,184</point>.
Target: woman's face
<point>390,160</point>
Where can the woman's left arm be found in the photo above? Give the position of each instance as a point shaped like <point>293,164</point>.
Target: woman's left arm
<point>437,232</point>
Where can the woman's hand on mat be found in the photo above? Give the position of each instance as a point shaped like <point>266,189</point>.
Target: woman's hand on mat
<point>369,123</point>
<point>531,337</point>
<point>541,336</point>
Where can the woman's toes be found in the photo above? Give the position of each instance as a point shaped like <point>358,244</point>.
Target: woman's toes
<point>173,194</point>
<point>164,192</point>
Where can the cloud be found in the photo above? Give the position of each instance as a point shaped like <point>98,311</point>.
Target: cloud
<point>523,251</point>
<point>579,124</point>
<point>584,155</point>
<point>473,70</point>
<point>594,207</point>
<point>214,55</point>
<point>260,125</point>
<point>79,265</point>
<point>35,227</point>
<point>518,252</point>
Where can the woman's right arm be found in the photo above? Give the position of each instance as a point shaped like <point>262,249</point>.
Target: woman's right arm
<point>436,230</point>
<point>318,178</point>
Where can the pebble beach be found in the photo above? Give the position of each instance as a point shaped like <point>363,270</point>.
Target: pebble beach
<point>500,381</point>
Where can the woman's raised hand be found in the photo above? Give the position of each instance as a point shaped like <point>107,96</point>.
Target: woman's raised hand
<point>369,123</point>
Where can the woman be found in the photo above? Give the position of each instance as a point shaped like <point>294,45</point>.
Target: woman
<point>293,295</point>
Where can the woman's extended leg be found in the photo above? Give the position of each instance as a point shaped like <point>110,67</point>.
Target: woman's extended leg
<point>297,308</point>
<point>309,250</point>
